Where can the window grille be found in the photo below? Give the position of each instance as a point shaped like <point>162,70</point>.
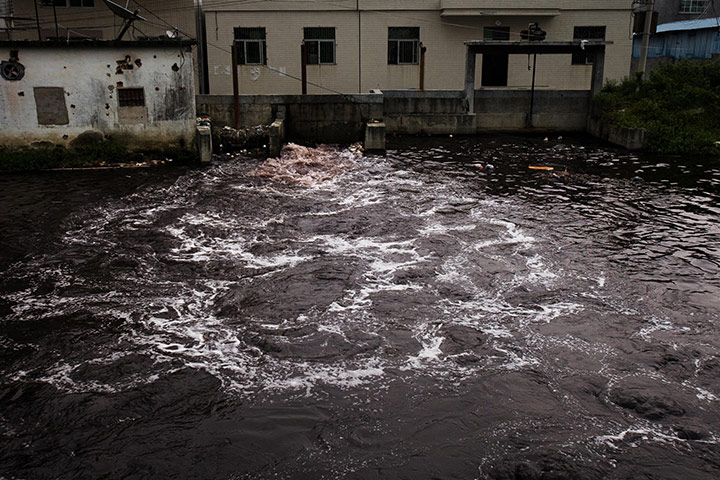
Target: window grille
<point>693,6</point>
<point>320,45</point>
<point>131,97</point>
<point>251,45</point>
<point>403,45</point>
<point>586,33</point>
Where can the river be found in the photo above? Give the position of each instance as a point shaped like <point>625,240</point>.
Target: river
<point>330,315</point>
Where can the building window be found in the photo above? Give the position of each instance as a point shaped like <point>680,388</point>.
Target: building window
<point>320,45</point>
<point>586,33</point>
<point>251,46</point>
<point>403,45</point>
<point>131,97</point>
<point>68,3</point>
<point>693,6</point>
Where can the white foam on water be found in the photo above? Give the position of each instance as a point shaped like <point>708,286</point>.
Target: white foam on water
<point>539,272</point>
<point>340,376</point>
<point>645,433</point>
<point>514,360</point>
<point>496,331</point>
<point>705,395</point>
<point>512,235</point>
<point>655,324</point>
<point>550,312</point>
<point>430,351</point>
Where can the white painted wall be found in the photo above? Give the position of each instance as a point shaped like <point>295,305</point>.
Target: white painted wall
<point>441,31</point>
<point>89,76</point>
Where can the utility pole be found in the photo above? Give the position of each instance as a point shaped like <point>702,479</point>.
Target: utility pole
<point>646,36</point>
<point>203,74</point>
<point>57,32</point>
<point>37,21</point>
<point>357,6</point>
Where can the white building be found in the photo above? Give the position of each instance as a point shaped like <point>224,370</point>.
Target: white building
<point>360,45</point>
<point>140,93</point>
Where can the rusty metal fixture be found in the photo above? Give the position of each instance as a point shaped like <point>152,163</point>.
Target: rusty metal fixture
<point>12,70</point>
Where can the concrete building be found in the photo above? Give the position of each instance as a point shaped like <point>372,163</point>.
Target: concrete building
<point>92,19</point>
<point>359,45</point>
<point>141,93</point>
<point>355,46</point>
<point>687,40</point>
<point>684,10</point>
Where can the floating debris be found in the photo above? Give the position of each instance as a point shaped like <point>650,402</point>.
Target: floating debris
<point>244,138</point>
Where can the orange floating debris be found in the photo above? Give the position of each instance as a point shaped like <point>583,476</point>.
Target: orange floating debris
<point>549,169</point>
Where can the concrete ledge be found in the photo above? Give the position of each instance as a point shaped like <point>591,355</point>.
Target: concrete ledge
<point>630,138</point>
<point>432,124</point>
<point>277,137</point>
<point>203,139</point>
<point>286,99</point>
<point>375,136</point>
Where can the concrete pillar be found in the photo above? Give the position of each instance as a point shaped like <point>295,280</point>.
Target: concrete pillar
<point>470,79</point>
<point>375,136</point>
<point>598,72</point>
<point>277,137</point>
<point>203,138</point>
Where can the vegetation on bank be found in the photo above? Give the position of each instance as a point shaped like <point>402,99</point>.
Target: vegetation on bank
<point>107,153</point>
<point>678,106</point>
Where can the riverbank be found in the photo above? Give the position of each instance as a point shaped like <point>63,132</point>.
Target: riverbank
<point>103,155</point>
<point>678,106</point>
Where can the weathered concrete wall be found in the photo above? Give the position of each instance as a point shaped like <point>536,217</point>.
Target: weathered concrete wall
<point>70,89</point>
<point>630,138</point>
<point>99,22</point>
<point>308,118</point>
<point>565,110</point>
<point>342,118</point>
<point>437,112</point>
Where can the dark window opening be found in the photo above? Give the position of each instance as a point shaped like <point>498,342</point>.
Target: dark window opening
<point>131,97</point>
<point>319,45</point>
<point>495,65</point>
<point>403,45</point>
<point>586,33</point>
<point>251,45</point>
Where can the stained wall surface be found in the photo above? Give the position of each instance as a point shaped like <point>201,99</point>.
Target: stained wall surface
<point>67,90</point>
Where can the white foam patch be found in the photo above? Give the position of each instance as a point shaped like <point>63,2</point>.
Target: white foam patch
<point>655,324</point>
<point>705,395</point>
<point>430,351</point>
<point>314,376</point>
<point>633,436</point>
<point>510,236</point>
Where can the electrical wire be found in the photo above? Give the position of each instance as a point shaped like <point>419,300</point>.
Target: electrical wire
<point>165,24</point>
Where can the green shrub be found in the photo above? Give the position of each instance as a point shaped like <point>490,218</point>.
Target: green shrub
<point>678,105</point>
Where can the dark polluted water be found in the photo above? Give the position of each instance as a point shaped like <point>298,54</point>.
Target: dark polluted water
<point>332,316</point>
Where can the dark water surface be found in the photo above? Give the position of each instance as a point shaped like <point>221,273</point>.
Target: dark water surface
<point>401,316</point>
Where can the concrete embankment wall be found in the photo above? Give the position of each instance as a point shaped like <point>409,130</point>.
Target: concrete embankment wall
<point>309,118</point>
<point>412,112</point>
<point>342,118</point>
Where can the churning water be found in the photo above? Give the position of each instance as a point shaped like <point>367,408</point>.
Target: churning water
<point>329,315</point>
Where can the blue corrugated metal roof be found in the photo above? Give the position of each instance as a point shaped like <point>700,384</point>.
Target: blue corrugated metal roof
<point>688,25</point>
